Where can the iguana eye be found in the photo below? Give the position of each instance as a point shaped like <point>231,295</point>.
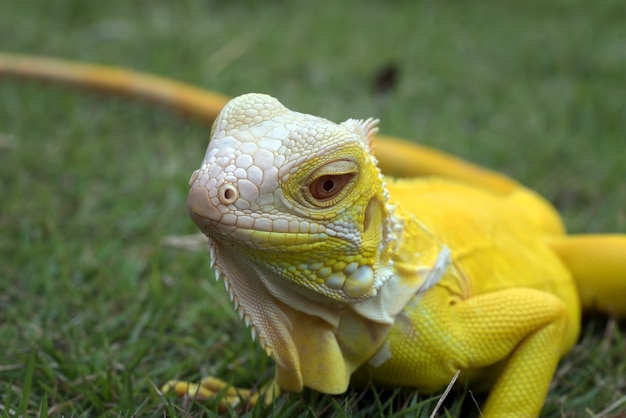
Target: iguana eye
<point>327,187</point>
<point>324,185</point>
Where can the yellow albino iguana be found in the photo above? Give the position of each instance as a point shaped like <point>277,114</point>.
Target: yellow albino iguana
<point>344,274</point>
<point>341,271</point>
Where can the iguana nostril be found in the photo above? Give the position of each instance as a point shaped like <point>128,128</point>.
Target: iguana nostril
<point>227,194</point>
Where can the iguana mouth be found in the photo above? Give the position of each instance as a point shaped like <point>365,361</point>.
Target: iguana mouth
<point>212,221</point>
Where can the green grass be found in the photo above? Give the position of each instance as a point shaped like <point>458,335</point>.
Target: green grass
<point>95,314</point>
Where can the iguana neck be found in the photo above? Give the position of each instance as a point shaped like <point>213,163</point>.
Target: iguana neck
<point>286,316</point>
<point>411,260</point>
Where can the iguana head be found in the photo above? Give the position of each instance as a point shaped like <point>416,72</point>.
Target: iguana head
<point>294,208</point>
<point>296,195</point>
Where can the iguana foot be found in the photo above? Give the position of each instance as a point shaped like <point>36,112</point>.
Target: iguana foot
<point>214,388</point>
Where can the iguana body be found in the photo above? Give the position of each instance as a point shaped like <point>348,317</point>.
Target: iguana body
<point>342,271</point>
<point>402,281</point>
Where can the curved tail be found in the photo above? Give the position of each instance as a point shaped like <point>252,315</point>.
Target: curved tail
<point>193,101</point>
<point>598,264</point>
<point>396,157</point>
<point>401,158</point>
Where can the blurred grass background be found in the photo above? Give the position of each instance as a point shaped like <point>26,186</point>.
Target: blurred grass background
<point>95,314</point>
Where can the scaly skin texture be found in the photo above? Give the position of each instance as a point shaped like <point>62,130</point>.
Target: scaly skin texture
<point>340,271</point>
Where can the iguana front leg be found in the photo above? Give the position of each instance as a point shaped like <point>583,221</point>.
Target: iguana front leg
<point>519,330</point>
<point>516,332</point>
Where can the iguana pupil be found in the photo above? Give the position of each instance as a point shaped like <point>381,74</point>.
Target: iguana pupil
<point>326,187</point>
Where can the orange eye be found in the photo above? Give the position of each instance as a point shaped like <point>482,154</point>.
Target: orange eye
<point>328,186</point>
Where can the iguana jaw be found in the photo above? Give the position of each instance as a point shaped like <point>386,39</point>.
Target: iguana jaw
<point>211,222</point>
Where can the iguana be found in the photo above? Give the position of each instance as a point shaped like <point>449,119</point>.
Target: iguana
<point>346,274</point>
<point>341,271</point>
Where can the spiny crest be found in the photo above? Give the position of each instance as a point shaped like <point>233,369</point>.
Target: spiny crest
<point>239,308</point>
<point>365,128</point>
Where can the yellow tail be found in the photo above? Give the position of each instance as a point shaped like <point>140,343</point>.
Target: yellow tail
<point>598,264</point>
<point>401,158</point>
<point>397,157</point>
<point>196,102</point>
